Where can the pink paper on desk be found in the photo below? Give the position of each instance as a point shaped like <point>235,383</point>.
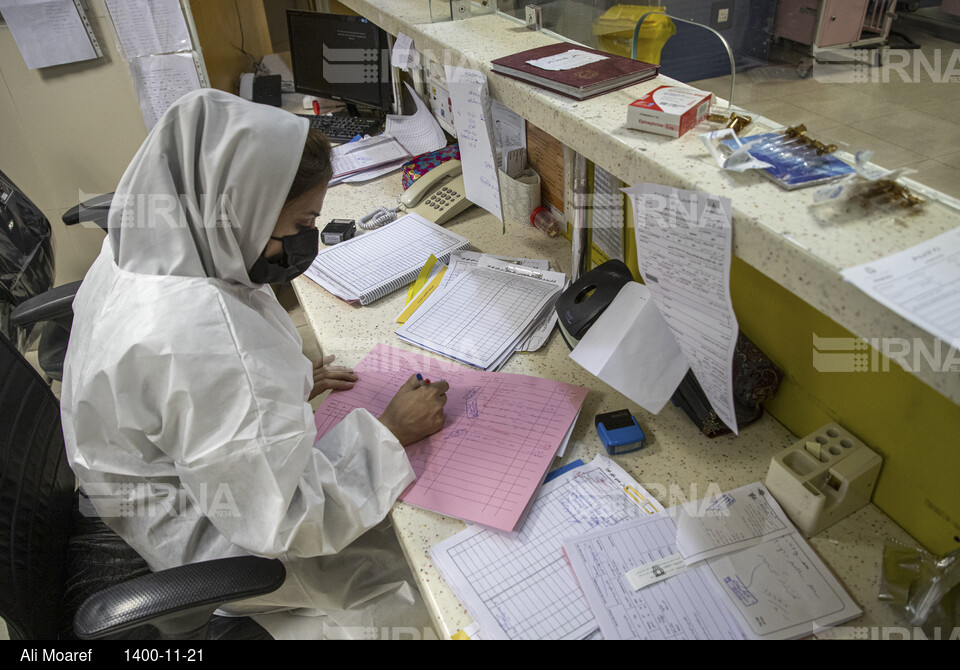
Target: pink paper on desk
<point>500,435</point>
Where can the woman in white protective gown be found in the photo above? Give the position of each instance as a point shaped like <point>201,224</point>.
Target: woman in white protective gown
<point>185,389</point>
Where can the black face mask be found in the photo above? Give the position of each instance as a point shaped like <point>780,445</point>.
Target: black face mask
<point>299,250</point>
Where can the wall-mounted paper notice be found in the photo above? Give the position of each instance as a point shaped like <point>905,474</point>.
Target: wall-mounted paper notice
<point>684,242</point>
<point>473,117</point>
<point>147,27</point>
<point>162,80</point>
<point>50,32</point>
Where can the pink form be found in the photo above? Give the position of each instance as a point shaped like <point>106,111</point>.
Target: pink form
<point>500,435</point>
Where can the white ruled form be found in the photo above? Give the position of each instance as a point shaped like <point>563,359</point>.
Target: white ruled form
<point>687,606</point>
<point>374,264</point>
<point>684,243</point>
<point>520,587</point>
<point>483,314</point>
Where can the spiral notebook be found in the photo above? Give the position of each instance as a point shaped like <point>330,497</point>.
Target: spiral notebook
<point>370,266</point>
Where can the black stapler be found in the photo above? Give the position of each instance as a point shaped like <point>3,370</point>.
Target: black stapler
<point>586,299</point>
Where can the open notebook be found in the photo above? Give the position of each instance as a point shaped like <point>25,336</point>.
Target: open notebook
<point>370,266</point>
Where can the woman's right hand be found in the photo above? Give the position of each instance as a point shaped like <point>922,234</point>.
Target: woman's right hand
<point>416,410</point>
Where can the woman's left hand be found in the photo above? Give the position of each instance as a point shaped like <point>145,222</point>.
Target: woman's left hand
<point>327,377</point>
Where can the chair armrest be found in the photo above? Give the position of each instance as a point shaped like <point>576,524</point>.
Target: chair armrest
<point>95,210</point>
<point>180,601</point>
<point>55,304</point>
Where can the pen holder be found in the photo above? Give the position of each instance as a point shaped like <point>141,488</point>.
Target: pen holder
<point>519,197</point>
<point>823,477</point>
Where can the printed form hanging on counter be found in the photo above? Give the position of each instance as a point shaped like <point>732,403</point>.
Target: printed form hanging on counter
<point>472,117</point>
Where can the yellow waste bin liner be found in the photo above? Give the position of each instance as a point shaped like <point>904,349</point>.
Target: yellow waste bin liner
<point>614,31</point>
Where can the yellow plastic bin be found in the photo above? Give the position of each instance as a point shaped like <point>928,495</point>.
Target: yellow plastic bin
<point>614,31</point>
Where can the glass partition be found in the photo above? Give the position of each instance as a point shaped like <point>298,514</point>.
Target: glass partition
<point>863,74</point>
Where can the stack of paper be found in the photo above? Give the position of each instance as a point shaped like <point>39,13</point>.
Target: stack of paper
<point>371,153</point>
<point>500,434</point>
<point>731,565</point>
<point>599,557</point>
<point>483,310</point>
<point>369,266</point>
<point>437,276</point>
<point>416,134</point>
<point>521,587</point>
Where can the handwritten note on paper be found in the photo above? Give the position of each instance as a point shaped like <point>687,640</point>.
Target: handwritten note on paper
<point>567,60</point>
<point>520,587</point>
<point>687,606</point>
<point>782,590</point>
<point>473,119</point>
<point>499,437</point>
<point>683,248</point>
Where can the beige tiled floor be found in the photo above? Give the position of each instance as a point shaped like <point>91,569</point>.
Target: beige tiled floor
<point>913,123</point>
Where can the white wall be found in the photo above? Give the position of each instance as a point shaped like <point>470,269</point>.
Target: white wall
<point>66,131</point>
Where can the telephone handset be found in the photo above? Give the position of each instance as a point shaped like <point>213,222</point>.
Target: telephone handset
<point>438,194</point>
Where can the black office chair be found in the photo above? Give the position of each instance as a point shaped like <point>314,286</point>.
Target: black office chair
<point>64,574</point>
<point>26,257</point>
<point>53,308</point>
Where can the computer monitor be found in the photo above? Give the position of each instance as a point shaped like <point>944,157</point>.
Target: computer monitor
<point>338,57</point>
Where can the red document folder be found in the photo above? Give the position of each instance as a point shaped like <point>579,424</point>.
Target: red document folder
<point>585,81</point>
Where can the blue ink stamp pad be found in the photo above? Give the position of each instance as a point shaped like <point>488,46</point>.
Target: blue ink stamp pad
<point>619,432</point>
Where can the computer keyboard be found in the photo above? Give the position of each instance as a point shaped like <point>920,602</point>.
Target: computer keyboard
<point>343,128</point>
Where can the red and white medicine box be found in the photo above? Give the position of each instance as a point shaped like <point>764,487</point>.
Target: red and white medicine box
<point>669,110</point>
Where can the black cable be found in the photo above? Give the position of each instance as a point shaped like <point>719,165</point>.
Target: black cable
<point>256,64</point>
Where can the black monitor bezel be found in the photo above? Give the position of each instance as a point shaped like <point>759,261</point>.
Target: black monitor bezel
<point>386,92</point>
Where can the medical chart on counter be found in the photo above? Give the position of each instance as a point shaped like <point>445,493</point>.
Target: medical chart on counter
<point>520,587</point>
<point>759,580</point>
<point>728,522</point>
<point>684,244</point>
<point>921,284</point>
<point>501,433</point>
<point>473,119</point>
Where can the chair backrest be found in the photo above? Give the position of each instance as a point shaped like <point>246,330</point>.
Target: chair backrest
<point>36,500</point>
<point>26,252</point>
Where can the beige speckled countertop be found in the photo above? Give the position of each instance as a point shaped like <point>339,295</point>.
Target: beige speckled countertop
<point>776,232</point>
<point>678,459</point>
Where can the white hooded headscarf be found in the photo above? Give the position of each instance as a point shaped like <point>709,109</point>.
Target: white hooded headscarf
<point>184,390</point>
